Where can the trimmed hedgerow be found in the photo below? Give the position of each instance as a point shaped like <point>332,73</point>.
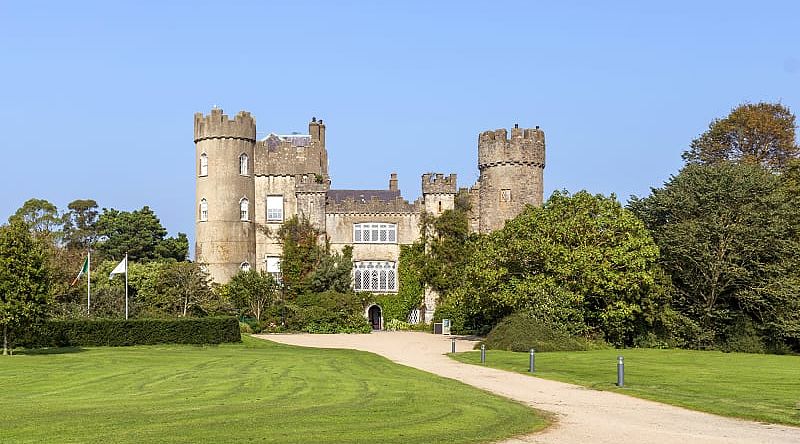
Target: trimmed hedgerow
<point>120,332</point>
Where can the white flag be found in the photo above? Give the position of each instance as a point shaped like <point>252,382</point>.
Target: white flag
<point>121,267</point>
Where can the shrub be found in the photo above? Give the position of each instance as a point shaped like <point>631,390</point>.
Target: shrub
<point>244,327</point>
<point>521,332</point>
<point>120,332</point>
<point>396,324</point>
<point>328,312</point>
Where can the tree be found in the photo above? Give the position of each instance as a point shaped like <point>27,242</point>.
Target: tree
<point>252,291</point>
<point>140,234</point>
<point>728,235</point>
<point>581,261</point>
<point>189,288</point>
<point>762,133</point>
<point>24,281</point>
<point>40,216</point>
<point>80,224</point>
<point>302,253</point>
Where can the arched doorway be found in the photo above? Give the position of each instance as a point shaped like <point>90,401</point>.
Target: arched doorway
<point>374,316</point>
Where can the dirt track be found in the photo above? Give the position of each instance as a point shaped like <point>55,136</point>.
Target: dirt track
<point>582,415</point>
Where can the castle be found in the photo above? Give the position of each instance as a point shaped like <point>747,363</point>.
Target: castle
<point>244,183</point>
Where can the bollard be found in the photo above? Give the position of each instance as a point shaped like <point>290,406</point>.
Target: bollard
<point>532,366</point>
<point>620,371</point>
<point>453,346</point>
<point>483,353</point>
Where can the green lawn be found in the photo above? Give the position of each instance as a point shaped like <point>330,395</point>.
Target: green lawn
<point>257,391</point>
<point>759,387</point>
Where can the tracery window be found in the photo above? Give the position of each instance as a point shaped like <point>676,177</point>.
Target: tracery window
<point>375,276</point>
<point>243,165</point>
<point>375,233</point>
<point>204,164</point>
<point>203,210</point>
<point>244,209</point>
<point>274,208</point>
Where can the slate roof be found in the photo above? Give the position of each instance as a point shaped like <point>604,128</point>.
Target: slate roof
<point>362,195</point>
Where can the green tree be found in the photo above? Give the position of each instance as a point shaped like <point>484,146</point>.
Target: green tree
<point>252,292</point>
<point>761,133</point>
<point>334,271</point>
<point>581,261</point>
<point>24,280</point>
<point>41,217</point>
<point>728,235</point>
<point>138,233</point>
<point>80,224</point>
<point>302,254</point>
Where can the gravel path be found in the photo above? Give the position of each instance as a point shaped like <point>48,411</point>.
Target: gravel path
<point>582,415</point>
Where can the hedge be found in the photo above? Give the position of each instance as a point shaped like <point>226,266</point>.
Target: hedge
<point>120,332</point>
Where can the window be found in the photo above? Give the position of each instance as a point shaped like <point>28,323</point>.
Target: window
<point>376,276</point>
<point>273,265</point>
<point>245,266</point>
<point>203,210</point>
<point>375,233</point>
<point>243,165</point>
<point>505,195</point>
<point>274,208</point>
<point>203,164</point>
<point>244,209</point>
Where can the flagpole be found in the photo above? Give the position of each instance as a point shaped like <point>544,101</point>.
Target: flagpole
<point>126,286</point>
<point>88,281</point>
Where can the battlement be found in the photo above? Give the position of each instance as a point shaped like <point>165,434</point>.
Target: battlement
<point>526,147</point>
<point>438,184</point>
<point>217,125</point>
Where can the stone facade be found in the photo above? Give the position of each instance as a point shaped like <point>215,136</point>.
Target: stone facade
<point>247,187</point>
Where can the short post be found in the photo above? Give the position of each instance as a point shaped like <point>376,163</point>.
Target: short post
<point>532,366</point>
<point>453,345</point>
<point>620,371</point>
<point>483,354</point>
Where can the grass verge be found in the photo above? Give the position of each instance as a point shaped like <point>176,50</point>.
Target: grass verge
<point>750,386</point>
<point>256,391</point>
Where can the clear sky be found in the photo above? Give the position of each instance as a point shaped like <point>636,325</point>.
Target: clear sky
<point>98,97</point>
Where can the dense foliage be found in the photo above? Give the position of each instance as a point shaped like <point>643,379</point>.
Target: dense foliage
<point>24,281</point>
<point>327,312</point>
<point>581,262</point>
<point>761,133</point>
<point>523,331</point>
<point>120,332</point>
<point>729,241</point>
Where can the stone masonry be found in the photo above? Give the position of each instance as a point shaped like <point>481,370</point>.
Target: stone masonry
<point>246,188</point>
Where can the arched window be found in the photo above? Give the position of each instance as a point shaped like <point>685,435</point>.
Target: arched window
<point>245,266</point>
<point>243,168</point>
<point>244,209</point>
<point>203,164</point>
<point>203,210</point>
<point>375,276</point>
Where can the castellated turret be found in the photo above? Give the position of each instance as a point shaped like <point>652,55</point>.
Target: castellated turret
<point>225,199</point>
<point>511,174</point>
<point>438,192</point>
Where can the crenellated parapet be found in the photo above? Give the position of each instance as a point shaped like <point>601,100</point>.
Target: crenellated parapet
<point>526,147</point>
<point>437,183</point>
<point>217,125</point>
<point>373,206</point>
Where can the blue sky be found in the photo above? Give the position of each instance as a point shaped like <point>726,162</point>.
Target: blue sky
<point>98,97</point>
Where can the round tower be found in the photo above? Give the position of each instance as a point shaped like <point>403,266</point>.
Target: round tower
<point>511,174</point>
<point>225,240</point>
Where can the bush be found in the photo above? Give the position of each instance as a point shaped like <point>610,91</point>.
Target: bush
<point>521,332</point>
<point>328,312</point>
<point>395,325</point>
<point>120,332</point>
<point>244,327</point>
